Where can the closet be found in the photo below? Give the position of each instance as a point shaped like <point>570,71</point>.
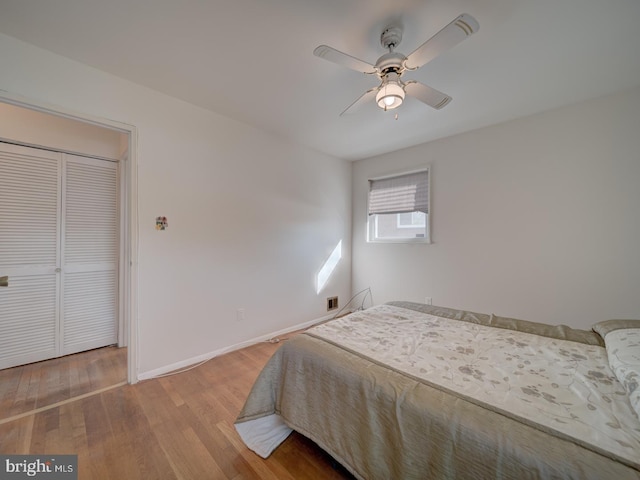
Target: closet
<point>59,247</point>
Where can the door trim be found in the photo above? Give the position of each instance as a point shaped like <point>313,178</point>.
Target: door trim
<point>128,280</point>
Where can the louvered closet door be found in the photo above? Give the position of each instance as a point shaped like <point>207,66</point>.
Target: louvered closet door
<point>90,254</point>
<point>29,254</point>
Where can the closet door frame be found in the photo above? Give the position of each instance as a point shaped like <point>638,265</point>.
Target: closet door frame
<point>128,200</point>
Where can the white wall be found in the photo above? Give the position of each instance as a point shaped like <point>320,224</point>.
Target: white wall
<point>251,217</point>
<point>35,128</point>
<point>537,218</point>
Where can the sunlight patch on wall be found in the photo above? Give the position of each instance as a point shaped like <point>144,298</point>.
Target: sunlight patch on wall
<point>329,266</point>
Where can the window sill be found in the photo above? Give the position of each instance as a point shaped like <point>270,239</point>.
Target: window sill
<point>402,240</point>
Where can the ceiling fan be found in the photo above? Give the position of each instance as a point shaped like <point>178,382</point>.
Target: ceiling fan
<point>392,65</point>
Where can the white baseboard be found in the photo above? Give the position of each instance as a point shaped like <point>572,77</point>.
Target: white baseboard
<point>208,356</point>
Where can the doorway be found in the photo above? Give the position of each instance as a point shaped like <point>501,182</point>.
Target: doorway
<point>127,201</point>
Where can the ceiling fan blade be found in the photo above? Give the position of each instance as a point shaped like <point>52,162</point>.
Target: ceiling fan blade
<point>447,38</point>
<point>363,99</point>
<point>428,95</point>
<point>336,56</point>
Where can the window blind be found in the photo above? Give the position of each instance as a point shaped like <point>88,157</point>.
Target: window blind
<point>400,194</point>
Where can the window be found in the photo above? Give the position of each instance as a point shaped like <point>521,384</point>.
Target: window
<point>411,220</point>
<point>399,208</point>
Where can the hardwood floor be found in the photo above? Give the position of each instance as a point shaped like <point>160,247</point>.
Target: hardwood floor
<point>176,427</point>
<point>36,385</point>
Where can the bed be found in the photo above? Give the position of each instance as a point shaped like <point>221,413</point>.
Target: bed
<point>409,391</point>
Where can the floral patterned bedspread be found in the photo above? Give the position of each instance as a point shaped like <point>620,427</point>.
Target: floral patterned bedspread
<point>562,387</point>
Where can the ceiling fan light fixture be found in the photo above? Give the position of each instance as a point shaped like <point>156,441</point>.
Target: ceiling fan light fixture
<point>390,95</point>
<point>390,67</point>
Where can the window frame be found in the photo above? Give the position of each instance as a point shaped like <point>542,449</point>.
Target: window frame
<point>372,220</point>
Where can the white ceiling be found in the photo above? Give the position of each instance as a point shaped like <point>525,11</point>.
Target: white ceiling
<point>252,60</point>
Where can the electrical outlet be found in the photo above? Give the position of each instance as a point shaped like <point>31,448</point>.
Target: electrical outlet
<point>240,315</point>
<point>332,303</point>
<point>428,300</point>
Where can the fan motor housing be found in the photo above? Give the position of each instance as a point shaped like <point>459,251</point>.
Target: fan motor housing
<point>391,62</point>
